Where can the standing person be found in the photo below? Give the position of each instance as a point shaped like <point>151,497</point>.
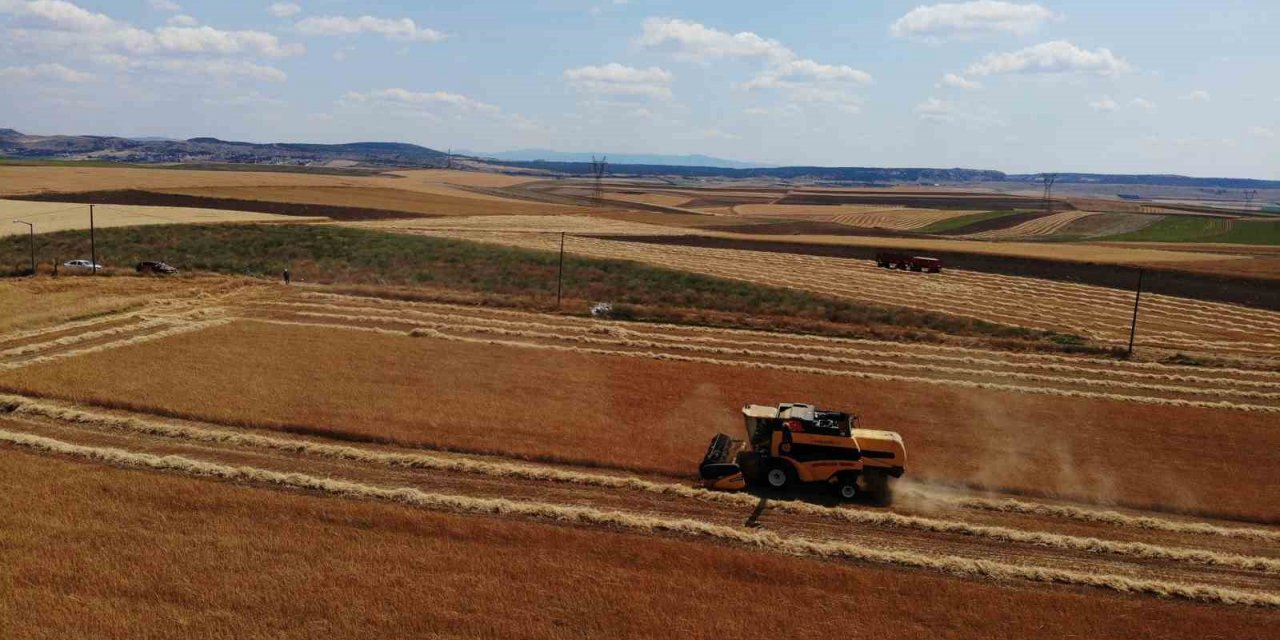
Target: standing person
<point>286,275</point>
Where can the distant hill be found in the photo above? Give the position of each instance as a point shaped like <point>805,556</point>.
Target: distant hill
<point>547,155</point>
<point>16,145</point>
<point>159,150</point>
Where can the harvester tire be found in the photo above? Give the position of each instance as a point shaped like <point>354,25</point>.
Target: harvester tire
<point>847,487</point>
<point>778,477</point>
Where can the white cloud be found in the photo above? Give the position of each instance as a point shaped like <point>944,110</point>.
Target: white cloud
<point>435,106</point>
<point>60,24</point>
<point>165,5</point>
<point>791,73</point>
<point>182,20</point>
<point>1105,103</point>
<point>617,79</point>
<point>210,40</point>
<point>968,19</point>
<point>958,82</point>
<point>803,80</point>
<point>1262,132</point>
<point>1058,56</point>
<point>284,9</point>
<point>1199,95</point>
<point>393,29</point>
<point>1143,103</point>
<point>219,68</point>
<point>935,110</point>
<point>694,41</point>
<point>418,99</point>
<point>717,134</point>
<point>52,71</point>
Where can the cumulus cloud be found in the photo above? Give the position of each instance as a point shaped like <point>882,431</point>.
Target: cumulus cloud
<point>390,28</point>
<point>1142,103</point>
<point>958,82</point>
<point>935,110</point>
<point>435,105</point>
<point>1262,132</point>
<point>218,68</point>
<point>1105,103</point>
<point>970,19</point>
<point>791,73</point>
<point>419,99</point>
<point>182,20</point>
<point>52,71</point>
<point>284,9</point>
<point>1199,95</point>
<point>59,23</point>
<point>165,5</point>
<point>803,80</point>
<point>1058,56</point>
<point>617,79</point>
<point>694,41</point>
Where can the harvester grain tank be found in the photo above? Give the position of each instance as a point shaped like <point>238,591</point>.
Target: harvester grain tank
<point>795,444</point>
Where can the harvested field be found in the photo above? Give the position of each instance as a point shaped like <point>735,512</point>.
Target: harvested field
<point>630,368</point>
<point>1041,226</point>
<point>870,216</point>
<point>1108,224</point>
<point>914,199</point>
<point>522,576</point>
<point>60,216</point>
<point>1096,313</point>
<point>253,412</point>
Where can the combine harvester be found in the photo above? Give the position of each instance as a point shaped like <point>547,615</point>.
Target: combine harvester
<point>791,444</point>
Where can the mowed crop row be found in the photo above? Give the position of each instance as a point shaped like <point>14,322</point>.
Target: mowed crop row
<point>1044,226</point>
<point>870,361</point>
<point>1111,568</point>
<point>1098,313</point>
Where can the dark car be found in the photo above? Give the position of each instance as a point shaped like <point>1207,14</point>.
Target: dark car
<point>155,267</point>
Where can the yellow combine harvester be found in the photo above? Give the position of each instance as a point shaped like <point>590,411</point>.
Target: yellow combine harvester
<point>795,443</point>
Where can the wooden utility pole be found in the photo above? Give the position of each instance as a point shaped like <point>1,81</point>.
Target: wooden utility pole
<point>31,229</point>
<point>560,272</point>
<point>93,245</point>
<point>1133,328</point>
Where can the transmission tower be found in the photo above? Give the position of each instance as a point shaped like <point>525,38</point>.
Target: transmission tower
<point>598,169</point>
<point>1249,195</point>
<point>1048,179</point>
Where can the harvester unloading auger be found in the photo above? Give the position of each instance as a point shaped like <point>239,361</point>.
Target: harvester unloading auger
<point>795,443</point>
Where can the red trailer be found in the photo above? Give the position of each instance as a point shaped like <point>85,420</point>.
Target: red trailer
<point>903,261</point>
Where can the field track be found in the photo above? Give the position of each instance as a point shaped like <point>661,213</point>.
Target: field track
<point>1097,313</point>
<point>1185,560</point>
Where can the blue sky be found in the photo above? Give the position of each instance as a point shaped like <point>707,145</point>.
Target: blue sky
<point>1152,87</point>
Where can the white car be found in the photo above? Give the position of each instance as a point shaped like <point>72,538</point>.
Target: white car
<point>81,265</point>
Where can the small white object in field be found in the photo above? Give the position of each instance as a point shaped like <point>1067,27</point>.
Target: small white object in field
<point>601,310</point>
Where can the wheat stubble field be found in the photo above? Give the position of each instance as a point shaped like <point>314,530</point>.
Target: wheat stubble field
<point>338,455</point>
<point>221,455</point>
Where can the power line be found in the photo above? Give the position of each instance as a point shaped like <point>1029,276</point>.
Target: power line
<point>598,169</point>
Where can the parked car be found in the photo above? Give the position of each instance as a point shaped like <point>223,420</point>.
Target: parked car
<point>81,265</point>
<point>156,267</point>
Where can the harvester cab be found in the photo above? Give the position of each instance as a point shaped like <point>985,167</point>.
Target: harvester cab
<point>794,443</point>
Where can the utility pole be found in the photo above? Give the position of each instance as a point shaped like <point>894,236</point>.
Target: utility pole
<point>1249,195</point>
<point>1133,329</point>
<point>560,272</point>
<point>1049,179</point>
<point>31,229</point>
<point>93,246</point>
<point>598,169</point>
